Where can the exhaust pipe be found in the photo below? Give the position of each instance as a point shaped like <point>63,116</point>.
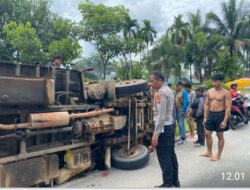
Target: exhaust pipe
<point>54,119</point>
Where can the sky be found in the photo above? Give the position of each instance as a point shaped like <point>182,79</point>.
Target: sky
<point>161,13</point>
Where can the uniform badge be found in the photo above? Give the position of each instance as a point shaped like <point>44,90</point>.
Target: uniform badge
<point>158,98</point>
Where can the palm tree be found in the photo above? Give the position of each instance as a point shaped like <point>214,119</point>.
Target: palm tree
<point>204,52</point>
<point>129,30</point>
<point>129,27</point>
<point>230,25</point>
<point>162,56</point>
<point>178,31</point>
<point>195,26</point>
<point>245,45</point>
<point>195,23</point>
<point>148,34</point>
<point>141,43</point>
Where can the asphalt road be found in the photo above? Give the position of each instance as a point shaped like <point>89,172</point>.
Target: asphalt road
<point>233,170</point>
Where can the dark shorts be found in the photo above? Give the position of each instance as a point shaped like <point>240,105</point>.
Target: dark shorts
<point>214,121</point>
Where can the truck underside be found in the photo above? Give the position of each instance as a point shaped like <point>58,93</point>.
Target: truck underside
<point>52,127</point>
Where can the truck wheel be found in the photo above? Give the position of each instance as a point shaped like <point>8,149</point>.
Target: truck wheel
<point>121,159</point>
<point>125,88</point>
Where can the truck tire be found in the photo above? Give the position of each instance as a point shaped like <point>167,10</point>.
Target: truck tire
<point>125,88</point>
<point>130,162</point>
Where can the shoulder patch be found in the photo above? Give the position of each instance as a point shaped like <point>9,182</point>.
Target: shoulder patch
<point>158,97</point>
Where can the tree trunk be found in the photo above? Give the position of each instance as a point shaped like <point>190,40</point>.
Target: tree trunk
<point>104,71</point>
<point>130,66</point>
<point>130,59</point>
<point>179,71</point>
<point>126,67</point>
<point>190,73</point>
<point>148,64</point>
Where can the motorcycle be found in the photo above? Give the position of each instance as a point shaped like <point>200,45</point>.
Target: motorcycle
<point>239,113</point>
<point>247,103</point>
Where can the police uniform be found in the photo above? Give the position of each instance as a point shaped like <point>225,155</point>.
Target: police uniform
<point>163,120</point>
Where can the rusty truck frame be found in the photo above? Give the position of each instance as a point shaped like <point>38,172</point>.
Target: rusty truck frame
<point>53,127</point>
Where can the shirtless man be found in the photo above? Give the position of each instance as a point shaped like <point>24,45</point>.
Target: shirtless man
<point>216,113</point>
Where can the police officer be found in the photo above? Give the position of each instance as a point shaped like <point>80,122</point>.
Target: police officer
<point>162,138</point>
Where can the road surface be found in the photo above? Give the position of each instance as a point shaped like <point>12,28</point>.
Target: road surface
<point>233,170</point>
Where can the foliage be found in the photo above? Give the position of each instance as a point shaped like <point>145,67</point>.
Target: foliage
<point>147,34</point>
<point>230,25</point>
<point>137,72</point>
<point>68,49</point>
<point>91,62</point>
<point>50,29</point>
<point>209,84</point>
<point>216,45</point>
<point>24,39</point>
<point>30,32</point>
<point>100,26</point>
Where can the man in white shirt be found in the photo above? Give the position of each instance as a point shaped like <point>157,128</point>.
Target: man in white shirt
<point>162,138</point>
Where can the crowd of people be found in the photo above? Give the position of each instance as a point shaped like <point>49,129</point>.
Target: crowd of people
<point>209,109</point>
<point>189,107</point>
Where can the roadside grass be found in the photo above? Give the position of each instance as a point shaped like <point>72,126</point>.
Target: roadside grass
<point>177,132</point>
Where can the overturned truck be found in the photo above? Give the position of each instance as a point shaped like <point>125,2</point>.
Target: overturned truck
<point>52,127</point>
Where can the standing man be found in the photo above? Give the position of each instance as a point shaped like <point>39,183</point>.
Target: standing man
<point>190,119</point>
<point>198,114</point>
<point>216,113</point>
<point>174,115</point>
<point>57,61</point>
<point>162,138</point>
<point>181,105</point>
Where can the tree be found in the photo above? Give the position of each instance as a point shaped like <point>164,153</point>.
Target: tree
<point>50,28</point>
<point>68,49</point>
<point>230,25</point>
<point>162,56</point>
<point>148,34</point>
<point>91,62</point>
<point>137,72</point>
<point>24,40</point>
<point>178,31</point>
<point>204,53</point>
<point>129,34</point>
<point>202,50</point>
<point>101,26</point>
<point>195,23</point>
<point>141,43</point>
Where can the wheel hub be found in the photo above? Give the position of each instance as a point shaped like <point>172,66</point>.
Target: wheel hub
<point>124,152</point>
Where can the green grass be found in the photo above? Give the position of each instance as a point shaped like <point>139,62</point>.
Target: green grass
<point>177,132</point>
